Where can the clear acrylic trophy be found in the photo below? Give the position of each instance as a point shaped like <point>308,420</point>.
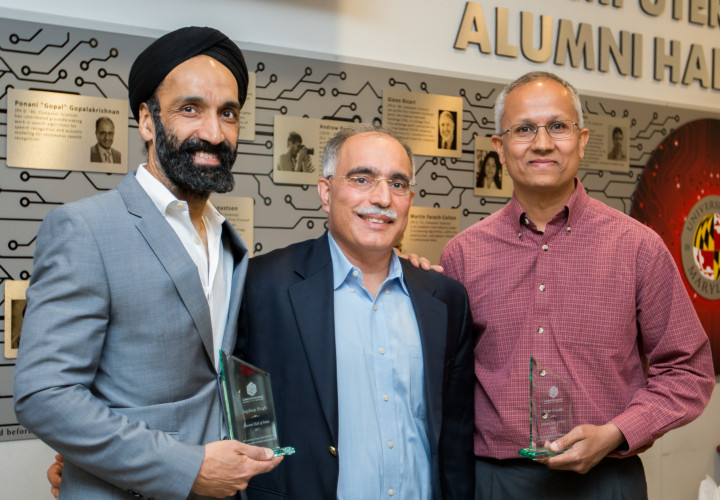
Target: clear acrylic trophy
<point>248,402</point>
<point>550,411</point>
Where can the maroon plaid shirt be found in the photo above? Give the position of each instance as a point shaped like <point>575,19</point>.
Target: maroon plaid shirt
<point>587,298</point>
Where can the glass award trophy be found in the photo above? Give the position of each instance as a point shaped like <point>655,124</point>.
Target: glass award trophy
<point>550,411</point>
<point>248,403</point>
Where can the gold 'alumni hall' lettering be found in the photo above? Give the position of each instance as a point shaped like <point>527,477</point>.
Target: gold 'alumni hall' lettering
<point>578,45</point>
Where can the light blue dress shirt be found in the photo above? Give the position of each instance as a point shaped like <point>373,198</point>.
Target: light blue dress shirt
<point>382,444</point>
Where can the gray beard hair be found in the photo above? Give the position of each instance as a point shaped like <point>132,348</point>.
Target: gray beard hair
<point>176,161</point>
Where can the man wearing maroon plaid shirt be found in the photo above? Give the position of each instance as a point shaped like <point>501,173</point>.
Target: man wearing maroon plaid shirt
<point>588,291</point>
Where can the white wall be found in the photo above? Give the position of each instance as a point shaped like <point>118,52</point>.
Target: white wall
<point>22,470</point>
<point>678,461</point>
<point>418,34</point>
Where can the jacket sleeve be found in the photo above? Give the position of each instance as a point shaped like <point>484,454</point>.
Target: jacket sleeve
<point>457,458</point>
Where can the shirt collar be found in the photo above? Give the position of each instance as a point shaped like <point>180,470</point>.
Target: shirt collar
<point>342,267</point>
<point>163,199</point>
<point>571,212</point>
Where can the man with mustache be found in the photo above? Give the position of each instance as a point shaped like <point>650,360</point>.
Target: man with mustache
<point>102,151</point>
<point>371,359</point>
<point>135,290</point>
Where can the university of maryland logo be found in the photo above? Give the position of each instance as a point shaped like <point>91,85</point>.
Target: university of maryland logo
<point>706,246</point>
<point>701,247</point>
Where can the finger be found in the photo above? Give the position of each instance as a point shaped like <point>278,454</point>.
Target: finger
<point>566,441</point>
<point>267,466</point>
<point>254,452</point>
<point>54,474</point>
<point>256,468</point>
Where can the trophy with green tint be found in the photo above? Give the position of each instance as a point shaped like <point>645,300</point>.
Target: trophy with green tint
<point>248,403</point>
<point>550,411</point>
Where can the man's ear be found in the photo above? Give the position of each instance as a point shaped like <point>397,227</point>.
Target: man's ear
<point>323,187</point>
<point>497,144</point>
<point>146,126</point>
<point>583,137</point>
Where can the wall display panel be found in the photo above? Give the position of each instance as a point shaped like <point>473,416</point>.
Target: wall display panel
<point>53,58</point>
<point>679,197</point>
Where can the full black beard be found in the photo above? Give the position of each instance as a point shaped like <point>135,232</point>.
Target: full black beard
<point>176,160</point>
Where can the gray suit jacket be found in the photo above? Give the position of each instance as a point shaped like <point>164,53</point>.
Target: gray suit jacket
<point>115,368</point>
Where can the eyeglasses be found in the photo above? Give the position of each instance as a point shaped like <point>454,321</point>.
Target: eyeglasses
<point>367,183</point>
<point>526,132</point>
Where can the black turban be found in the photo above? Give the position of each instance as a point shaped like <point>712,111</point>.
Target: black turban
<point>170,50</point>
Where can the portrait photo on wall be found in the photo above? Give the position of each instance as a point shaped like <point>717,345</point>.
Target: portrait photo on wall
<point>616,146</point>
<point>608,147</point>
<point>447,123</point>
<point>298,157</point>
<point>298,147</point>
<point>14,313</point>
<point>491,177</point>
<point>295,158</point>
<point>102,151</point>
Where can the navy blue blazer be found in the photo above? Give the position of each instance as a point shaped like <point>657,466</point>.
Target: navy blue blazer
<point>287,328</point>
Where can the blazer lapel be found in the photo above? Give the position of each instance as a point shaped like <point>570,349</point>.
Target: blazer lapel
<point>431,317</point>
<point>240,263</point>
<point>313,306</point>
<point>172,255</point>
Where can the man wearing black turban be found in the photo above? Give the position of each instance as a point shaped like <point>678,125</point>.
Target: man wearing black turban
<point>135,290</point>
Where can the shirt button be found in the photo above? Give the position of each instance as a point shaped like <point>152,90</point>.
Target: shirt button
<point>391,492</point>
<point>542,288</point>
<point>540,329</point>
<point>375,308</point>
<point>391,444</point>
<point>386,398</point>
<point>569,229</point>
<point>332,451</point>
<point>543,373</point>
<point>381,350</point>
<point>545,248</point>
<point>387,292</point>
<point>197,240</point>
<point>355,273</point>
<point>544,416</point>
<point>519,235</point>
